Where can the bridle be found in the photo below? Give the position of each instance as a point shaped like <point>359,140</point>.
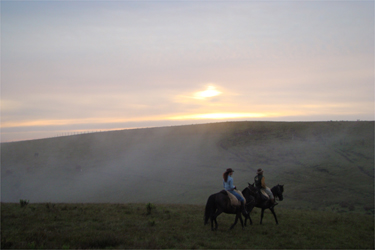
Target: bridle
<point>248,201</point>
<point>278,193</point>
<point>250,193</point>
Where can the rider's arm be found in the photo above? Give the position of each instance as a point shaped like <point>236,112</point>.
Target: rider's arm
<point>263,182</point>
<point>230,182</point>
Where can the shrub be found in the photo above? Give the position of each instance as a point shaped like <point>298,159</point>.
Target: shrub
<point>24,203</point>
<point>149,208</point>
<point>151,223</point>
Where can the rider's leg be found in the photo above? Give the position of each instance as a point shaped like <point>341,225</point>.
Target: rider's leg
<point>270,194</point>
<point>241,199</point>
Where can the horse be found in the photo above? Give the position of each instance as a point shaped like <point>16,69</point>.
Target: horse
<point>251,190</point>
<point>220,203</point>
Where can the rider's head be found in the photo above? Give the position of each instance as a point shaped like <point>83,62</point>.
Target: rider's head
<point>229,171</point>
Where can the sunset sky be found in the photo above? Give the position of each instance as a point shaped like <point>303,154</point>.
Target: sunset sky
<point>74,66</point>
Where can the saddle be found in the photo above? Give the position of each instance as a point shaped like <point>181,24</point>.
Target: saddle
<point>233,199</point>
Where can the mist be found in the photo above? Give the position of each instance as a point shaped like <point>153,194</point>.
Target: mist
<point>122,166</point>
<point>184,164</point>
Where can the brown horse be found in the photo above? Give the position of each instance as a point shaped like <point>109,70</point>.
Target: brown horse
<point>252,191</point>
<point>220,203</point>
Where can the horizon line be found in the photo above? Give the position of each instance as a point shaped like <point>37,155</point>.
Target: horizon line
<point>92,131</point>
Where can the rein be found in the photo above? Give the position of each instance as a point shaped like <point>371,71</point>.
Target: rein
<point>250,195</point>
<point>247,203</point>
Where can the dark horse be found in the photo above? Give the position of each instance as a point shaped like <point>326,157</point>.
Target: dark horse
<point>220,203</point>
<point>251,190</point>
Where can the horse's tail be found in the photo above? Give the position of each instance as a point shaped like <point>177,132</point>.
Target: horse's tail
<point>210,208</point>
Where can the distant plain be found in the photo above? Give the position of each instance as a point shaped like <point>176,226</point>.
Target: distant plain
<point>323,165</point>
<point>91,190</point>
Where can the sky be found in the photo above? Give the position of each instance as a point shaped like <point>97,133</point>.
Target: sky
<point>71,67</point>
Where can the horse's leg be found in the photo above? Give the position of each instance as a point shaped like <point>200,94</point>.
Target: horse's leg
<point>213,219</point>
<point>274,215</point>
<point>261,217</point>
<point>248,214</point>
<point>214,216</point>
<point>239,215</point>
<point>214,229</point>
<point>245,218</point>
<point>235,221</point>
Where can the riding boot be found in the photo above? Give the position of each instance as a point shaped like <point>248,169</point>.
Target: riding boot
<point>243,207</point>
<point>273,203</point>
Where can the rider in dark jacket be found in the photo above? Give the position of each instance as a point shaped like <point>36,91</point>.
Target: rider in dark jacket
<point>260,183</point>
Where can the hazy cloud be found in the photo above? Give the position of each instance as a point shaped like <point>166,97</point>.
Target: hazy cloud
<point>103,62</point>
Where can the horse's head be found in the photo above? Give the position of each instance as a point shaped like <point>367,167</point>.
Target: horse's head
<point>278,191</point>
<point>253,189</point>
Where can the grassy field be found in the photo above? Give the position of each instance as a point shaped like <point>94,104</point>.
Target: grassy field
<point>327,166</point>
<point>74,226</point>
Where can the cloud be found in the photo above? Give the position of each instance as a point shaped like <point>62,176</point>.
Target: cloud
<point>217,116</point>
<point>134,63</point>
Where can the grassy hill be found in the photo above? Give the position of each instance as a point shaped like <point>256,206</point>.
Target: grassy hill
<point>103,226</point>
<point>323,165</point>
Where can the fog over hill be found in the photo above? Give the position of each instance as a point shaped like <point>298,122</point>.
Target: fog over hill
<point>324,165</point>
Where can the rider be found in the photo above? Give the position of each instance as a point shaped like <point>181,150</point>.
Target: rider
<point>261,185</point>
<point>228,185</point>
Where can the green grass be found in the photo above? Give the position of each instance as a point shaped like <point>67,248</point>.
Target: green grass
<point>150,226</point>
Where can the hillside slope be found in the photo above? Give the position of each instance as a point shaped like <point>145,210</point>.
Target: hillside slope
<point>324,165</point>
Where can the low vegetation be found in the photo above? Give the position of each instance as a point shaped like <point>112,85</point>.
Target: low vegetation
<point>152,226</point>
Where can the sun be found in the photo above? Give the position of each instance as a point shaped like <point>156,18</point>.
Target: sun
<point>211,91</point>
